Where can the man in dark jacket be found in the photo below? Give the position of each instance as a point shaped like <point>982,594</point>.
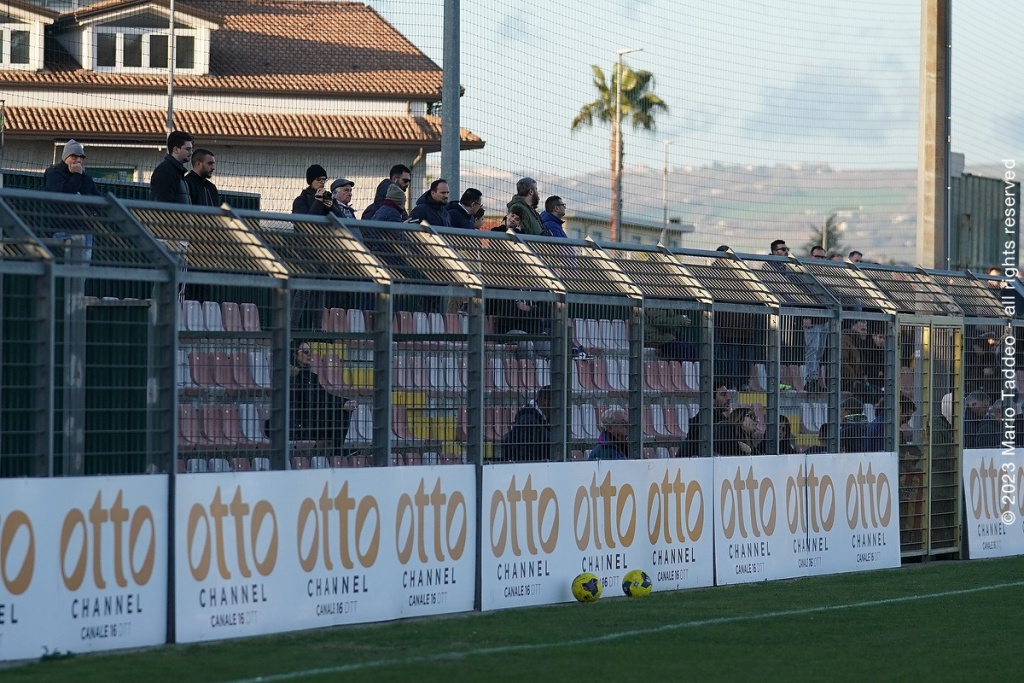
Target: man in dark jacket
<point>399,175</point>
<point>341,189</point>
<point>529,440</point>
<point>552,215</point>
<point>69,176</point>
<point>463,212</point>
<point>393,207</point>
<point>528,197</point>
<point>432,206</point>
<point>167,184</point>
<point>315,199</point>
<point>201,190</point>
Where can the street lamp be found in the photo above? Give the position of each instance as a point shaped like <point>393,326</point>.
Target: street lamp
<point>664,189</point>
<point>617,209</point>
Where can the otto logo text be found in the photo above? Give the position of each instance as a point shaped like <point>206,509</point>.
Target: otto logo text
<point>810,502</point>
<point>129,528</point>
<point>868,499</point>
<point>523,516</point>
<point>350,532</point>
<point>206,533</point>
<point>420,516</point>
<point>675,510</point>
<point>604,512</point>
<point>16,568</point>
<point>748,504</point>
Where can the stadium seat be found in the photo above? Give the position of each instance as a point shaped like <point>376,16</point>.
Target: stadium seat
<point>231,316</point>
<point>300,462</point>
<point>218,465</point>
<point>319,462</point>
<point>195,465</point>
<point>250,317</point>
<point>261,464</point>
<point>240,465</point>
<point>212,316</point>
<point>189,435</point>
<point>191,316</point>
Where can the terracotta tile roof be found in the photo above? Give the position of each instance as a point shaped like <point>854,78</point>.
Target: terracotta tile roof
<point>275,47</point>
<point>30,7</point>
<point>150,125</point>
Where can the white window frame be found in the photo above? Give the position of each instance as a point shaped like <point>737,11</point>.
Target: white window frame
<point>146,33</point>
<point>33,32</point>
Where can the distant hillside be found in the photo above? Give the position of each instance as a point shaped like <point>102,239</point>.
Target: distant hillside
<point>746,206</point>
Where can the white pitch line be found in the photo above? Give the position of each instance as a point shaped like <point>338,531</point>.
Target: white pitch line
<point>527,647</point>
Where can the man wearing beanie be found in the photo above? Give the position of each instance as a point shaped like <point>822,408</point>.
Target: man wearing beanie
<point>167,184</point>
<point>69,176</point>
<point>315,199</point>
<point>393,208</point>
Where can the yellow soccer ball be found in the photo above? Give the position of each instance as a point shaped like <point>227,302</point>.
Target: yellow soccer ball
<point>636,584</point>
<point>586,587</point>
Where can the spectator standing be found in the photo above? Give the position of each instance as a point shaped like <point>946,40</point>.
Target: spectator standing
<point>341,188</point>
<point>856,257</point>
<point>815,337</point>
<point>432,206</point>
<point>854,428</point>
<point>315,200</point>
<point>529,440</point>
<point>167,184</point>
<point>399,175</point>
<point>478,219</point>
<point>613,444</point>
<point>200,189</point>
<point>69,176</point>
<point>779,248</point>
<point>392,209</point>
<point>462,213</point>
<point>528,198</point>
<point>667,331</point>
<point>552,216</point>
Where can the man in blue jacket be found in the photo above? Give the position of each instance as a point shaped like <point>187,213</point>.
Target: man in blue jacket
<point>167,184</point>
<point>432,206</point>
<point>552,215</point>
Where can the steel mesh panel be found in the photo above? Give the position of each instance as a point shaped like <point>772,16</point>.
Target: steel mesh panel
<point>791,283</point>
<point>727,280</point>
<point>912,292</point>
<point>973,296</point>
<point>500,260</point>
<point>853,289</point>
<point>207,242</point>
<point>316,249</point>
<point>83,230</point>
<point>411,254</point>
<point>582,266</point>
<point>659,275</point>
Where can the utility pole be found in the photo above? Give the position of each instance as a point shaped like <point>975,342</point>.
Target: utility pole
<point>450,113</point>
<point>933,232</point>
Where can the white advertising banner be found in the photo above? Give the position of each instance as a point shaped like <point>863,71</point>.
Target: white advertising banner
<point>779,517</point>
<point>995,509</point>
<point>266,552</point>
<point>545,523</point>
<point>83,564</point>
<point>862,531</point>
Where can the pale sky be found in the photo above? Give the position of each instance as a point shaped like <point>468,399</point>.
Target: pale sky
<point>752,83</point>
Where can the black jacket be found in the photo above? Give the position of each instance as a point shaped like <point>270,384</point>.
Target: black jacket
<point>201,190</point>
<point>459,217</point>
<point>434,213</point>
<point>308,203</point>
<point>168,182</point>
<point>378,199</point>
<point>529,440</point>
<point>59,179</point>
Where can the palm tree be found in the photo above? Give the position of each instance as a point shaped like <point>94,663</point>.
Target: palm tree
<point>828,235</point>
<point>638,106</point>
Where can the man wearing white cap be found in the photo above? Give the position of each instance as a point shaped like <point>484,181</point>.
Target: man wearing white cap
<point>69,176</point>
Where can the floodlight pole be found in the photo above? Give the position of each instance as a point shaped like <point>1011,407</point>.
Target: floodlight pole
<point>450,113</point>
<point>664,190</point>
